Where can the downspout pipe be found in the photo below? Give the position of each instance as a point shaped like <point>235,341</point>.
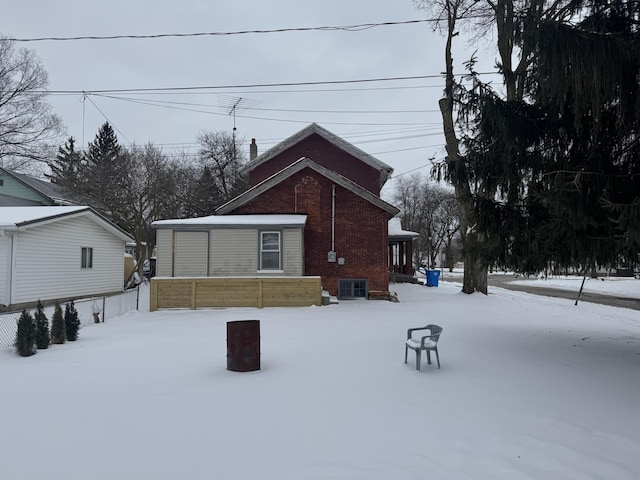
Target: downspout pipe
<point>333,218</point>
<point>10,232</point>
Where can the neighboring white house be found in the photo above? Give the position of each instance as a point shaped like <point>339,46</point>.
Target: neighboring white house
<point>231,245</point>
<point>53,252</point>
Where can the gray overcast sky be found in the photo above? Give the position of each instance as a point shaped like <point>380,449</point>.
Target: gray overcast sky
<point>402,127</point>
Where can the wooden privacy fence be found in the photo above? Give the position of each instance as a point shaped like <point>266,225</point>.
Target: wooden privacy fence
<point>207,292</point>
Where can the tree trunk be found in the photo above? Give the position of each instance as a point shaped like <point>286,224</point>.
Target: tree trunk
<point>475,272</point>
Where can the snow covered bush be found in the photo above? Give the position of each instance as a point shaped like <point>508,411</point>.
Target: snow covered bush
<point>25,336</point>
<point>42,336</point>
<point>71,322</point>
<point>58,333</point>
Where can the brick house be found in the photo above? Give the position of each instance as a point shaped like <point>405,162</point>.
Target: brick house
<point>337,186</point>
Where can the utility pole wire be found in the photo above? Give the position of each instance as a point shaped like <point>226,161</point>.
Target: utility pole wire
<point>344,28</point>
<point>253,85</point>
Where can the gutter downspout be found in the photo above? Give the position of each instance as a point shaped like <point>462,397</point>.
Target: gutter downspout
<point>12,262</point>
<point>333,218</point>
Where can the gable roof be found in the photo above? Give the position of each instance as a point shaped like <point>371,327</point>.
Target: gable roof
<point>294,168</point>
<point>50,191</point>
<point>384,169</point>
<point>22,218</point>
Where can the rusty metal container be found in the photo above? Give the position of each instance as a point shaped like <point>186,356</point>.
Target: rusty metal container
<point>243,345</point>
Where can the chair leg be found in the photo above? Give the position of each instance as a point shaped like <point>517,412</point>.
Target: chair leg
<point>406,349</point>
<point>417,359</point>
<point>438,357</point>
<point>429,357</point>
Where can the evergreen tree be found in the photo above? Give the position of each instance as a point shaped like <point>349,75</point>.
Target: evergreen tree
<point>546,169</point>
<point>67,168</point>
<point>25,336</point>
<point>105,148</point>
<point>42,336</point>
<point>106,174</point>
<point>71,322</point>
<point>561,156</point>
<point>58,331</point>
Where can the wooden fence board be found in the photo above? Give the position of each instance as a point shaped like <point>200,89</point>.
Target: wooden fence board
<point>209,292</point>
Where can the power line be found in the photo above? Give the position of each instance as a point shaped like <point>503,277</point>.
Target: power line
<point>287,120</point>
<point>345,28</point>
<point>286,110</point>
<point>110,122</point>
<point>306,90</point>
<point>255,85</point>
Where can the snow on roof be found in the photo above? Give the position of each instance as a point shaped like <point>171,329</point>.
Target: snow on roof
<point>234,220</point>
<point>12,217</point>
<point>395,229</point>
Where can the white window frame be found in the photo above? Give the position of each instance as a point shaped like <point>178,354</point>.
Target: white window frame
<point>86,257</point>
<point>261,249</point>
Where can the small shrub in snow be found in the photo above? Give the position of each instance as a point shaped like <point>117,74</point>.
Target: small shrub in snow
<point>42,328</point>
<point>25,336</point>
<point>71,322</point>
<point>58,333</point>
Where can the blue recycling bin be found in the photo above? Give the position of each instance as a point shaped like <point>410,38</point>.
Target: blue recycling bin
<point>432,278</point>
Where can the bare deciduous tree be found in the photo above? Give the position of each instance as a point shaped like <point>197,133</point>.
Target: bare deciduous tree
<point>430,210</point>
<point>221,153</point>
<point>28,127</point>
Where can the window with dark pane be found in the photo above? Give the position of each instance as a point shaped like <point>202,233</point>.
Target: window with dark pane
<point>352,288</point>
<point>270,250</point>
<point>86,257</point>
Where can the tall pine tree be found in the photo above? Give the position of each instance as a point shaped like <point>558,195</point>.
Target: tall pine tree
<point>561,153</point>
<point>67,169</point>
<point>105,184</point>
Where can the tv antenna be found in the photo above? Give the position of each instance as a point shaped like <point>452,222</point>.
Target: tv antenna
<point>232,104</point>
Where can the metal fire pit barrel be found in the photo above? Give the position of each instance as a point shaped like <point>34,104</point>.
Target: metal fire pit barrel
<point>243,345</point>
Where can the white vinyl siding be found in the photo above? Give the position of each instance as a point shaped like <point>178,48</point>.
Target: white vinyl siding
<point>164,252</point>
<point>5,268</point>
<point>190,252</point>
<point>234,252</point>
<point>48,261</point>
<point>293,257</point>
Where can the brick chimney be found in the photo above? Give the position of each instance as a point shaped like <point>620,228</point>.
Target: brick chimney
<point>253,149</point>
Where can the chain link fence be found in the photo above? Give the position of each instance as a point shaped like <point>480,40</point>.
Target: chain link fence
<point>89,310</point>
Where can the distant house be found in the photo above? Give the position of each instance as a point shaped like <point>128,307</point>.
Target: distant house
<point>313,175</point>
<point>400,250</point>
<point>18,189</point>
<point>58,252</point>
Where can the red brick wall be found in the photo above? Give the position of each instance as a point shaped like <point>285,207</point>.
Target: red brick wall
<point>361,229</point>
<point>323,153</point>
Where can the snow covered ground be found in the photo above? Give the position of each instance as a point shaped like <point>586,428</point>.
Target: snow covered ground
<point>530,388</point>
<point>618,286</point>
